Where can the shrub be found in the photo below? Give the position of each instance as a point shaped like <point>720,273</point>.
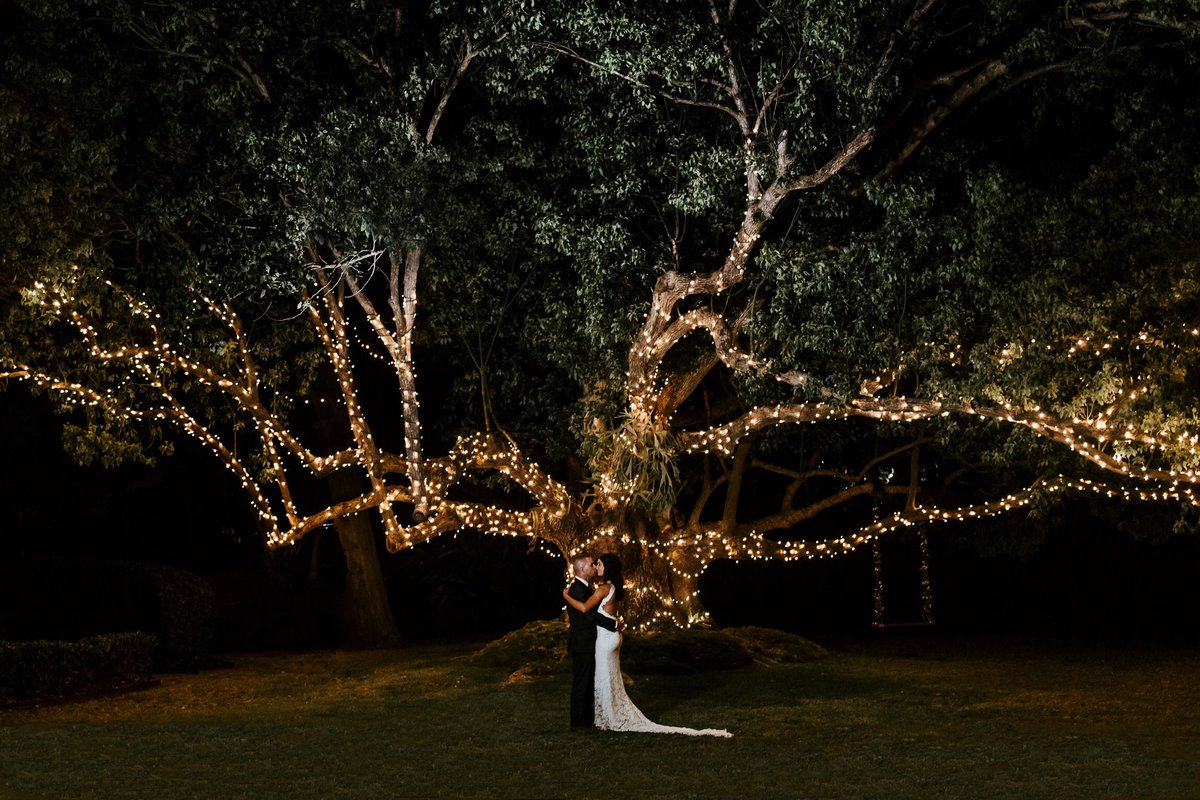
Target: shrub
<point>768,646</point>
<point>72,598</point>
<point>48,670</point>
<point>540,648</point>
<point>676,651</point>
<point>186,609</point>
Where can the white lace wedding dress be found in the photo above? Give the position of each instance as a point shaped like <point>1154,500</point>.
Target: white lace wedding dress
<point>614,710</point>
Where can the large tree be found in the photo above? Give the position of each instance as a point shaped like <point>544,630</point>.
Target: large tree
<point>643,242</point>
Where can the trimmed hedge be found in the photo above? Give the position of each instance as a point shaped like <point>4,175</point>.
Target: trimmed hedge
<point>186,614</point>
<point>45,670</point>
<point>72,598</point>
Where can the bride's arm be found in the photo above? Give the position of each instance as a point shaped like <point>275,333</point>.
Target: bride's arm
<point>591,603</point>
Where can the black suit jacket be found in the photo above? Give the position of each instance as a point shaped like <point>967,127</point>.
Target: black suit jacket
<point>582,638</point>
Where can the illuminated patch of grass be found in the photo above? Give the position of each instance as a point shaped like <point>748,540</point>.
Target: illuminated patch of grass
<point>933,720</point>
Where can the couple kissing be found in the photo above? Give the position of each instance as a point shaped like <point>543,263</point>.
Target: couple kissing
<point>598,698</point>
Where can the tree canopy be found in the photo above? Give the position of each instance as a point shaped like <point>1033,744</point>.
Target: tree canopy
<point>623,245</point>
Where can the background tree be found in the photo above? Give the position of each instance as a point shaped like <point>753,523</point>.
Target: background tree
<point>186,197</point>
<point>894,221</point>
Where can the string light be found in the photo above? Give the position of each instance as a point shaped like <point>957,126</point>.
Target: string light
<point>926,584</point>
<point>877,569</point>
<point>676,556</point>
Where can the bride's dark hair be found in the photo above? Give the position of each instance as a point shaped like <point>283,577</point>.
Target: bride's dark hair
<point>612,573</point>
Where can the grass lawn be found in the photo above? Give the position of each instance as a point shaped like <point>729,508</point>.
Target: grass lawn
<point>920,718</point>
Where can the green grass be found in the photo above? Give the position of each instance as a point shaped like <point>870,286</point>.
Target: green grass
<point>922,718</point>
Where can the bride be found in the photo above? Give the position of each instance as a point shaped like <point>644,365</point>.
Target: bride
<point>614,710</point>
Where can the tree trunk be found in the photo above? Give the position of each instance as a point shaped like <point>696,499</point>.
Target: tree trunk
<point>364,611</point>
<point>661,587</point>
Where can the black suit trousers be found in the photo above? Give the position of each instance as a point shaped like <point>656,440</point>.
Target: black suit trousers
<point>583,683</point>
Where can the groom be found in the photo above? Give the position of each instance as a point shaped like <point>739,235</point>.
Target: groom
<point>581,643</point>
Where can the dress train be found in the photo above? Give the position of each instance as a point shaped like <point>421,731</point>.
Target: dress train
<point>614,710</point>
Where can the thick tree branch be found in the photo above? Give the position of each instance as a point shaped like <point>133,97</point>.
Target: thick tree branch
<point>724,346</point>
<point>679,387</point>
<point>674,98</point>
<point>708,546</point>
<point>848,153</point>
<point>736,89</point>
<point>404,314</point>
<point>722,439</point>
<point>482,452</point>
<point>792,517</point>
<point>673,286</point>
<point>733,490</point>
<point>148,360</point>
<point>332,332</point>
<point>463,64</point>
<point>984,78</point>
<point>710,485</point>
<point>402,298</point>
